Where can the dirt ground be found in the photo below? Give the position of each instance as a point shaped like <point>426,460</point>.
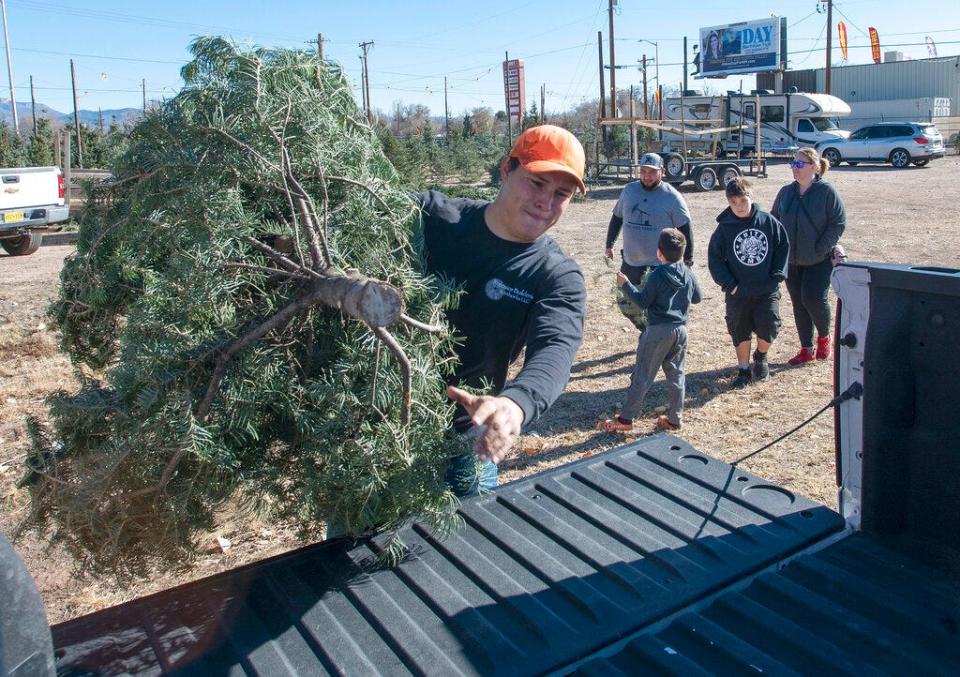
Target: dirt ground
<point>902,216</point>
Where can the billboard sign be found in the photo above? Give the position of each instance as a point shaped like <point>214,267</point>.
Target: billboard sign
<point>745,47</point>
<point>514,89</point>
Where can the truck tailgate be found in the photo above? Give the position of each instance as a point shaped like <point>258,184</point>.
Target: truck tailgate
<point>548,571</point>
<point>865,605</point>
<point>25,187</point>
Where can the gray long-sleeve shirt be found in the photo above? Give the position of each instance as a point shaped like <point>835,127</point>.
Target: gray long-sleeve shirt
<point>814,221</point>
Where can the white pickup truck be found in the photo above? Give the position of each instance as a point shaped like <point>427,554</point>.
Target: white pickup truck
<point>32,201</point>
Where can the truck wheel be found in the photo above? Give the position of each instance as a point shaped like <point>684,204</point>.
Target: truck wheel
<point>706,179</point>
<point>24,245</point>
<point>729,174</point>
<point>899,158</point>
<point>832,155</point>
<point>673,167</point>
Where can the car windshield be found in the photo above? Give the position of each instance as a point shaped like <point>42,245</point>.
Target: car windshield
<point>825,124</point>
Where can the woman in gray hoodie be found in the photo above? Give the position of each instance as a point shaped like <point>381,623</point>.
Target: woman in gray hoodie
<point>812,213</point>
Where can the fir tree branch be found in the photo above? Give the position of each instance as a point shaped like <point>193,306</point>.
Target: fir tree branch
<point>264,269</point>
<point>405,370</point>
<point>361,184</point>
<point>430,328</point>
<point>280,258</point>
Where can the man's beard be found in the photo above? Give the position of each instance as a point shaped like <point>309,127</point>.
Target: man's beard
<point>653,187</point>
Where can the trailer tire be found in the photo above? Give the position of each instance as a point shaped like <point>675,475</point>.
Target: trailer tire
<point>24,245</point>
<point>673,166</point>
<point>729,174</point>
<point>706,179</point>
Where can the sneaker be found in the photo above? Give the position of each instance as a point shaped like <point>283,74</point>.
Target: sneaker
<point>743,378</point>
<point>615,424</point>
<point>823,347</point>
<point>663,422</point>
<point>761,368</point>
<point>805,355</point>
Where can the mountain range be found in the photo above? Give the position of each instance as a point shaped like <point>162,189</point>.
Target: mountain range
<point>87,117</point>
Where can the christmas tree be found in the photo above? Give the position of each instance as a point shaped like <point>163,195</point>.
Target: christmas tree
<point>247,315</point>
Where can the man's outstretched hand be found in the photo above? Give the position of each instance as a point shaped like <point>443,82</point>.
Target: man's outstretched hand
<point>499,419</point>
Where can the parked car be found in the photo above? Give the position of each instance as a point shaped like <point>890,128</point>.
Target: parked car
<point>899,143</point>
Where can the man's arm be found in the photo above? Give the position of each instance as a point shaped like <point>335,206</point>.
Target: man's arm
<point>613,232</point>
<point>553,337</point>
<point>687,231</point>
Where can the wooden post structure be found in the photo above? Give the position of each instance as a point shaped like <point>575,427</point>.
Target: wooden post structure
<point>827,76</point>
<point>543,103</point>
<point>633,133</point>
<point>603,91</point>
<point>446,113</point>
<point>67,171</point>
<point>33,107</point>
<point>143,90</point>
<point>58,150</point>
<point>683,124</point>
<point>757,141</point>
<point>646,107</point>
<point>320,45</point>
<point>76,118</point>
<point>613,67</point>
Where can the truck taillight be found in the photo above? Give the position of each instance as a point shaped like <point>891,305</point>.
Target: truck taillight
<point>921,140</point>
<point>60,191</point>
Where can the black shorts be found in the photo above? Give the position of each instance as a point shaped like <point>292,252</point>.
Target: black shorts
<point>753,314</point>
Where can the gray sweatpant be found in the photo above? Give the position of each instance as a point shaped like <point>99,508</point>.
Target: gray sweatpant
<point>661,345</point>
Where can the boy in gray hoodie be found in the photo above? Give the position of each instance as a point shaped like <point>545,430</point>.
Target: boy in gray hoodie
<point>666,296</point>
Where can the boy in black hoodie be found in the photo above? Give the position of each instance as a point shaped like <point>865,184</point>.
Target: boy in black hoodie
<point>748,259</point>
<point>666,295</point>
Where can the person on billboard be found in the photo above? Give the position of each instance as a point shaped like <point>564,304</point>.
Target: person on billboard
<point>713,47</point>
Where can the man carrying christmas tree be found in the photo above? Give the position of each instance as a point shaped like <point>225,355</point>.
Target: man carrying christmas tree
<point>520,292</point>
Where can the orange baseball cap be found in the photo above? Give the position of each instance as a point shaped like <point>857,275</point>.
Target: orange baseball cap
<point>548,148</point>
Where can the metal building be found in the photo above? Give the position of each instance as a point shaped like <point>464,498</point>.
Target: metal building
<point>934,84</point>
<point>919,78</point>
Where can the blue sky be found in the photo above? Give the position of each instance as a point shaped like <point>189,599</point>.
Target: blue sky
<point>116,44</point>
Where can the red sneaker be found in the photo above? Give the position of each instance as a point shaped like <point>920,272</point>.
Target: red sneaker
<point>823,347</point>
<point>664,424</point>
<point>805,355</point>
<point>614,425</point>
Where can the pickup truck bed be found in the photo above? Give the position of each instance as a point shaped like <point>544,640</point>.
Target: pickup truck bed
<point>549,571</point>
<point>648,558</point>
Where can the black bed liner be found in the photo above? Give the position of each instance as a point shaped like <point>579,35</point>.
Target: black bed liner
<point>862,606</point>
<point>547,572</point>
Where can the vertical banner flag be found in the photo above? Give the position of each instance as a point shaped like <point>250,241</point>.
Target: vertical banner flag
<point>842,29</point>
<point>874,44</point>
<point>931,47</point>
<point>514,89</point>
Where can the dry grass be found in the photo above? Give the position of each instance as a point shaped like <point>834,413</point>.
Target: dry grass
<point>903,216</point>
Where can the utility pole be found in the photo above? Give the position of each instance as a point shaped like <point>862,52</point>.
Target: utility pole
<point>365,46</point>
<point>613,67</point>
<point>320,45</point>
<point>33,107</point>
<point>76,116</point>
<point>543,103</point>
<point>6,41</point>
<point>684,64</point>
<point>446,113</point>
<point>603,88</point>
<point>646,107</point>
<point>143,89</point>
<point>826,75</point>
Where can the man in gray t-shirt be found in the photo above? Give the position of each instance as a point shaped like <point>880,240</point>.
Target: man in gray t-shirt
<point>644,209</point>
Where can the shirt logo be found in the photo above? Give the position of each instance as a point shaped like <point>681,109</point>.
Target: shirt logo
<point>497,289</point>
<point>751,246</point>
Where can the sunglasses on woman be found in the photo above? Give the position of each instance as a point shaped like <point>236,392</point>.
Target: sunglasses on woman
<point>799,164</point>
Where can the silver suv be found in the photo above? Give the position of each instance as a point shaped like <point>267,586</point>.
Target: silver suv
<point>899,143</point>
